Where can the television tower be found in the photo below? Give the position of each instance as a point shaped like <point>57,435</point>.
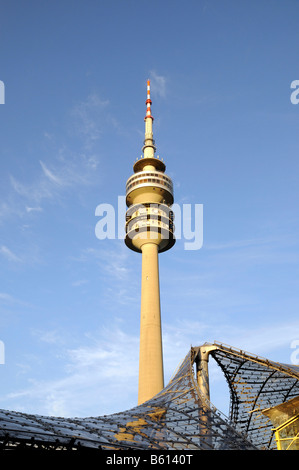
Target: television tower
<point>149,230</point>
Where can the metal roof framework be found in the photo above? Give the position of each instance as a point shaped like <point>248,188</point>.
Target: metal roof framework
<point>178,418</point>
<point>255,384</point>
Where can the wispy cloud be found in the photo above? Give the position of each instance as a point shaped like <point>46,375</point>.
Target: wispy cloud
<point>88,119</point>
<point>8,254</point>
<point>264,250</point>
<point>88,380</point>
<point>50,175</point>
<point>80,282</point>
<point>51,183</point>
<point>34,209</point>
<point>158,84</point>
<point>49,336</point>
<point>12,300</point>
<point>6,297</point>
<point>112,260</point>
<point>63,168</point>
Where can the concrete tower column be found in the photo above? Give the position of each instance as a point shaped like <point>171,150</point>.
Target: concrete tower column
<point>151,376</point>
<point>202,374</point>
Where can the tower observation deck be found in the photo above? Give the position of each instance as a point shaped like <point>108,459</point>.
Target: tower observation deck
<point>149,230</point>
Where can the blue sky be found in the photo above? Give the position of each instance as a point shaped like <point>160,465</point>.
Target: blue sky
<point>71,127</point>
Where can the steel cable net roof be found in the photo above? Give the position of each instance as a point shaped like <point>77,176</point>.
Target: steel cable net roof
<point>179,417</point>
<point>255,384</point>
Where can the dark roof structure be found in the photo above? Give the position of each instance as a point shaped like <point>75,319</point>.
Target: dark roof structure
<point>255,384</point>
<point>178,418</point>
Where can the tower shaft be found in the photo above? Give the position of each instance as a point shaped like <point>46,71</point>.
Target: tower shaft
<point>151,377</point>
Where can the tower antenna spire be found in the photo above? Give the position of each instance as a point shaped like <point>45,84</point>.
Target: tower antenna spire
<point>149,143</point>
<point>148,102</point>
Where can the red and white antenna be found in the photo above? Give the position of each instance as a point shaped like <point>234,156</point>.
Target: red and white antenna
<point>148,102</point>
